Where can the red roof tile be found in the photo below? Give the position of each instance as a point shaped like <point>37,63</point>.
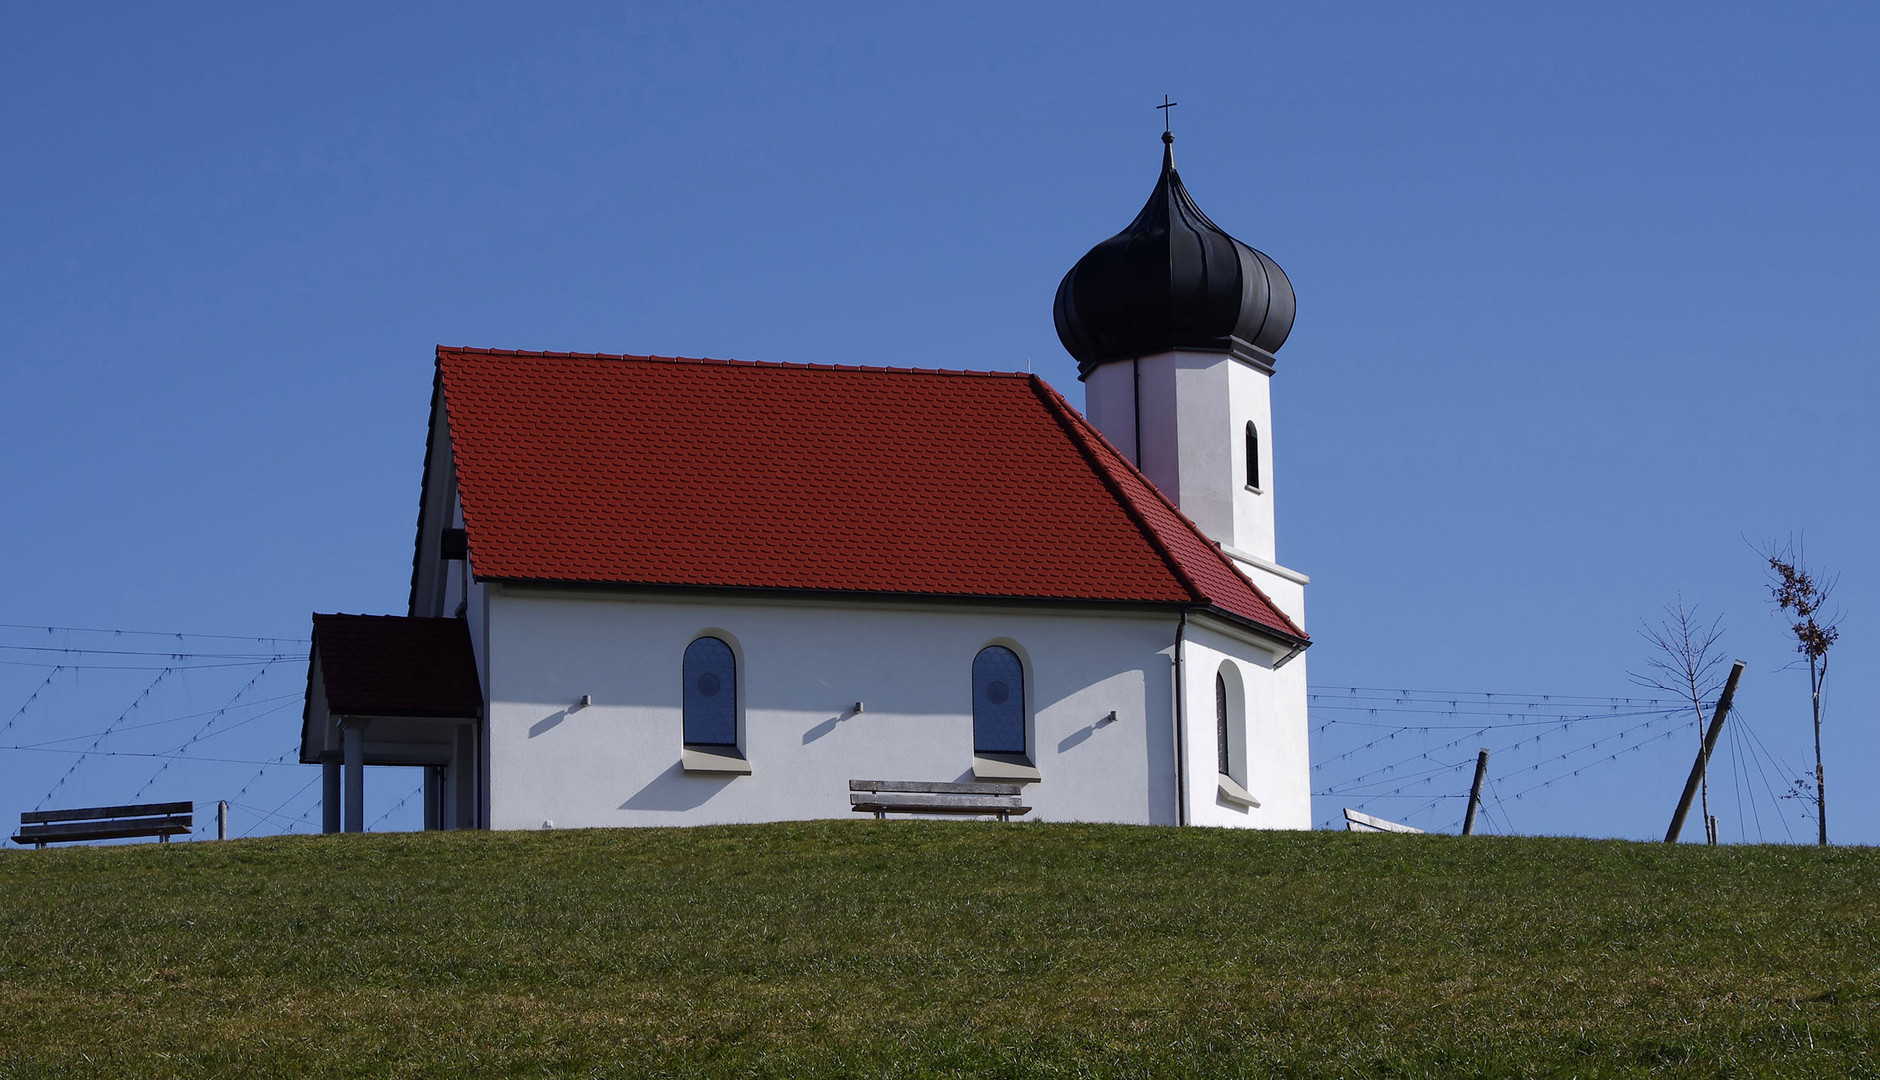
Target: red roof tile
<point>663,471</point>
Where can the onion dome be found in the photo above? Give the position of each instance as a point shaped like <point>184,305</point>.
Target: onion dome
<point>1172,280</point>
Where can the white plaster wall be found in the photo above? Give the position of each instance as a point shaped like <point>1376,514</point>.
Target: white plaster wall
<point>1194,409</point>
<point>804,665</point>
<point>1161,454</point>
<point>1209,487</point>
<point>1250,398</point>
<point>1278,764</point>
<point>1110,405</point>
<point>1284,589</point>
<point>1293,738</point>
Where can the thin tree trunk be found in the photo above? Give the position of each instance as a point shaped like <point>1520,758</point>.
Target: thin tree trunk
<point>1697,709</point>
<point>1704,782</point>
<point>1821,783</point>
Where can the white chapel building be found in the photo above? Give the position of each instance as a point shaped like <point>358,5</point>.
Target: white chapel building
<point>662,591</point>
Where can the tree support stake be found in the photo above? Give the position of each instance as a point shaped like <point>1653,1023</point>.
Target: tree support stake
<point>1703,754</point>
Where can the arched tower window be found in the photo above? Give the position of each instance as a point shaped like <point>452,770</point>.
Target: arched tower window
<point>998,702</point>
<point>1220,723</point>
<point>1253,455</point>
<point>711,693</point>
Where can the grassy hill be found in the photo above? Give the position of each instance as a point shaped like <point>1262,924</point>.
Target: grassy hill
<point>910,949</point>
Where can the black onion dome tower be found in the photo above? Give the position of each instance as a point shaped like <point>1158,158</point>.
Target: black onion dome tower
<point>1174,325</point>
<point>1172,280</point>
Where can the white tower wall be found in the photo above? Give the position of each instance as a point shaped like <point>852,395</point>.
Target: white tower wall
<point>1190,411</point>
<point>1182,418</point>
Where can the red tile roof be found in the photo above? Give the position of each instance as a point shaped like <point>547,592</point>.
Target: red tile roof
<point>664,471</point>
<point>393,665</point>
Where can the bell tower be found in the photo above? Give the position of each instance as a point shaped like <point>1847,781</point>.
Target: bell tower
<point>1174,325</point>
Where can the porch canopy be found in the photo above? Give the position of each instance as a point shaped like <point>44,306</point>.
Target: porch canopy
<point>393,690</point>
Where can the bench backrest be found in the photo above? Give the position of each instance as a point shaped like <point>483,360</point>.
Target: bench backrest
<point>924,787</point>
<point>93,813</point>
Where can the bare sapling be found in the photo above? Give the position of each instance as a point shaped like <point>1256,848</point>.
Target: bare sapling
<point>1684,661</point>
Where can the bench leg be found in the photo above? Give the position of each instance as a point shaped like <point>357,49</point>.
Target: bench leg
<point>880,816</point>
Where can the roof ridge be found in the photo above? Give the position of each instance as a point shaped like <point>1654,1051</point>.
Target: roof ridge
<point>1070,419</point>
<point>1088,430</point>
<point>795,365</point>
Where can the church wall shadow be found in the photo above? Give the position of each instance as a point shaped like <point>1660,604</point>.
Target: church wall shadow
<point>676,789</point>
<point>1083,733</point>
<point>826,726</point>
<point>547,722</point>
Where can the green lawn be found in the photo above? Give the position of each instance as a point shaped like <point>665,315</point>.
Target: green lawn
<point>861,948</point>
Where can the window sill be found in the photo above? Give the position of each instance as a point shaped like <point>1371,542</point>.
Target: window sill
<point>1005,767</point>
<point>1232,792</point>
<point>1255,490</point>
<point>714,761</point>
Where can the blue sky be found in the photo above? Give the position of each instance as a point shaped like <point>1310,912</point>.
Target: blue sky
<point>1586,312</point>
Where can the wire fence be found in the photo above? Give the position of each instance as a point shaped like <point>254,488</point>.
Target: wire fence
<point>201,723</point>
<point>1401,754</point>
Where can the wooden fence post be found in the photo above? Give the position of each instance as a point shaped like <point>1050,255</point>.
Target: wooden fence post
<point>1475,792</point>
<point>1703,753</point>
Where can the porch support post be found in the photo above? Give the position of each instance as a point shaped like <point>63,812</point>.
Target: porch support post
<point>353,733</point>
<point>433,796</point>
<point>329,791</point>
<point>463,768</point>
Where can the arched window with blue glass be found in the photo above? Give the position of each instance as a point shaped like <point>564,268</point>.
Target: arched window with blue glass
<point>711,693</point>
<point>1222,750</point>
<point>998,702</point>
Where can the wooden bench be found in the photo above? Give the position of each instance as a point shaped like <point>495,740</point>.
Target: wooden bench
<point>163,820</point>
<point>882,797</point>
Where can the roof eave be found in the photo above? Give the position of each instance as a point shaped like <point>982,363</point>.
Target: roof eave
<point>467,713</point>
<point>1293,643</point>
<point>1225,345</point>
<point>1170,604</point>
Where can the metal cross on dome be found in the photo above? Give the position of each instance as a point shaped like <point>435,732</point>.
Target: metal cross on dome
<point>1165,107</point>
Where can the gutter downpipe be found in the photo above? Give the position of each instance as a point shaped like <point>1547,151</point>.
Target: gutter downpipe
<point>485,820</point>
<point>1181,749</point>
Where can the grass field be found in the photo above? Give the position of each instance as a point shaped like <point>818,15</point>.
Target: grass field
<point>910,948</point>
